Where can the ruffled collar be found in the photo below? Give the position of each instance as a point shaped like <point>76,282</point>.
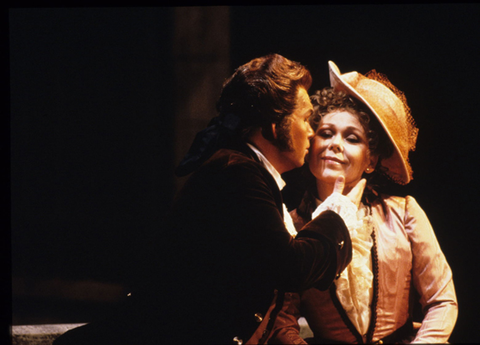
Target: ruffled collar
<point>354,286</point>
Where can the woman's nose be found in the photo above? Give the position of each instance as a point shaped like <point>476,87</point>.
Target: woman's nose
<point>336,144</point>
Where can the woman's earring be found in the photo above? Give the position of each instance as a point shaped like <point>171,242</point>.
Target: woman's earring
<point>368,170</point>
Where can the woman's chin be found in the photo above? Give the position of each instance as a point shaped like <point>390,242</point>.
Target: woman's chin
<point>328,178</point>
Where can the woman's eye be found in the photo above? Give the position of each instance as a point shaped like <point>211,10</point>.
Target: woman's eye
<point>325,134</point>
<point>353,139</point>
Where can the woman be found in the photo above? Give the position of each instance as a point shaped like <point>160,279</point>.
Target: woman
<point>363,130</point>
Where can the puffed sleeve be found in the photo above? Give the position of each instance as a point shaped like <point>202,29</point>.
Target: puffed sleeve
<point>432,277</point>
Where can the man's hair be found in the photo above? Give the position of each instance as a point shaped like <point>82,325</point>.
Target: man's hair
<point>264,91</point>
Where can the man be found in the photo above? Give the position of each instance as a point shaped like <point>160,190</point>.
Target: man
<point>228,248</point>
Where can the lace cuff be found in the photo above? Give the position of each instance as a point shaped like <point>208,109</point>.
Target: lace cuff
<point>340,204</point>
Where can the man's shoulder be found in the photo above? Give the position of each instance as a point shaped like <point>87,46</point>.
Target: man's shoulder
<point>230,157</point>
<point>239,166</point>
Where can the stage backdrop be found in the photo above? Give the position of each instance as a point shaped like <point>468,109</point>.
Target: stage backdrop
<point>105,101</point>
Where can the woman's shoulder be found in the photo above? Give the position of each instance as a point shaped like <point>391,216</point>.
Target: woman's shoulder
<point>396,200</point>
<point>398,205</point>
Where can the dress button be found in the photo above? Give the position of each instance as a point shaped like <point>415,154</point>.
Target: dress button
<point>258,317</point>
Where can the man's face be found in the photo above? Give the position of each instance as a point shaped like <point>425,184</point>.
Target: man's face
<point>299,133</point>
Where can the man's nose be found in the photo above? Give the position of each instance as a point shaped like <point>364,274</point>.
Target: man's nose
<point>310,131</point>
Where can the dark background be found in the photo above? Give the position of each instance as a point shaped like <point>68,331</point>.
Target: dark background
<point>91,129</point>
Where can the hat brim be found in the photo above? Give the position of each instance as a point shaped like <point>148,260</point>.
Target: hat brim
<point>337,82</point>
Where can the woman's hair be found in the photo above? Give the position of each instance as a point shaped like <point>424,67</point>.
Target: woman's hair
<point>328,100</point>
<point>264,91</point>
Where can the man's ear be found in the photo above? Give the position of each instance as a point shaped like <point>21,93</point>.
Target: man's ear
<point>269,131</point>
<point>274,130</point>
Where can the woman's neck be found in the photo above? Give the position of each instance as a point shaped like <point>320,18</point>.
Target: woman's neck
<point>324,190</point>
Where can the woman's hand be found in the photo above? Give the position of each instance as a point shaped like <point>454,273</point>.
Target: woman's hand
<point>355,194</point>
<point>346,205</point>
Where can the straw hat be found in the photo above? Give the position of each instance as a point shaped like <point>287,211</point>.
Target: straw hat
<point>390,107</point>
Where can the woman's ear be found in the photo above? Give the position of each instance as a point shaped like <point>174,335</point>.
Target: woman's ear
<point>373,160</point>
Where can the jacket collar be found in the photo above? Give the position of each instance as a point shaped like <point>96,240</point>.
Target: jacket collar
<point>271,169</point>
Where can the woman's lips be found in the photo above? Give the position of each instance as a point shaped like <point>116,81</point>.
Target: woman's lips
<point>332,159</point>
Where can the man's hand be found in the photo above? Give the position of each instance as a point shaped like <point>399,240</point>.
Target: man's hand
<point>355,194</point>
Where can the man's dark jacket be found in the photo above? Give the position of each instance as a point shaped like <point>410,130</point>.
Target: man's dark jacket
<point>212,271</point>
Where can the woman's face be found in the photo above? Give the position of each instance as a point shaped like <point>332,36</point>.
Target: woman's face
<point>340,147</point>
